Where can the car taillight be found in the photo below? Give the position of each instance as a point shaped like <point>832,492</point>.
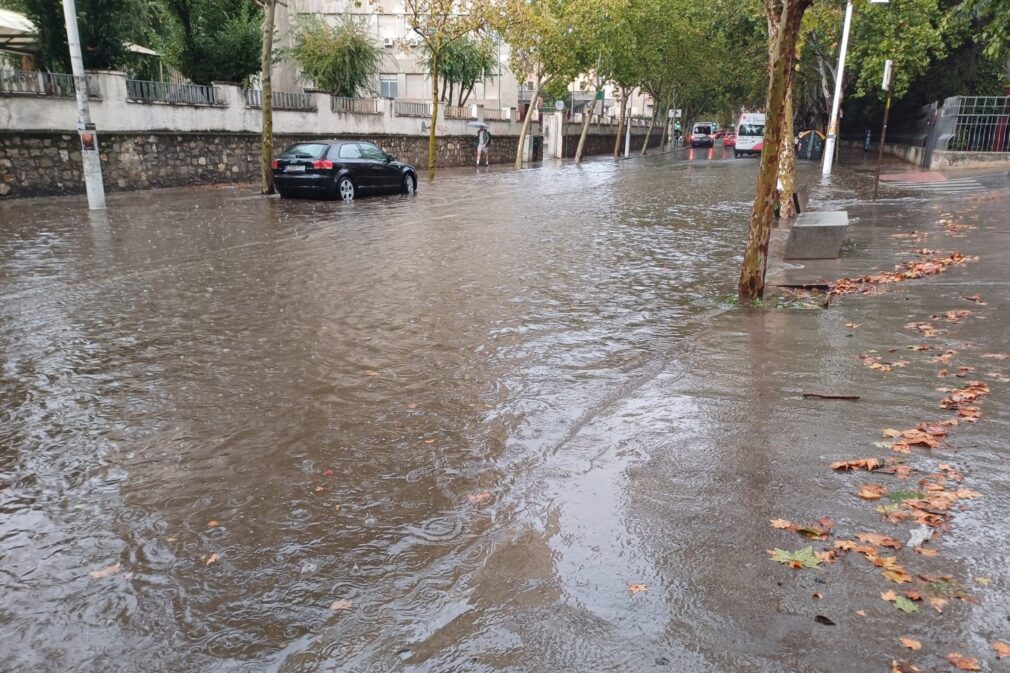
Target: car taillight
<point>275,164</point>
<point>322,163</point>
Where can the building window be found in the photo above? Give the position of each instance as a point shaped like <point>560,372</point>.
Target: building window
<point>387,86</point>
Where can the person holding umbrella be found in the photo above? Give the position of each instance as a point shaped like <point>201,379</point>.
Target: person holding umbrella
<point>483,140</point>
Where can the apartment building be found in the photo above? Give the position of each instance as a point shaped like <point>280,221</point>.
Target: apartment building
<point>402,75</point>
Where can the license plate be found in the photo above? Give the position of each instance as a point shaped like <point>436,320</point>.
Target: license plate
<point>294,168</point>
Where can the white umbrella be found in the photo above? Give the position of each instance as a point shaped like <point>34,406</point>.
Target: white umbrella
<point>477,125</point>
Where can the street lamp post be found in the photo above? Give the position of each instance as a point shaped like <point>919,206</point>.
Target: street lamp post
<point>89,138</point>
<point>829,145</point>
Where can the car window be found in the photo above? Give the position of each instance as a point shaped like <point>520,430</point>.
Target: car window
<point>305,150</point>
<point>372,152</point>
<point>751,130</point>
<point>349,151</point>
<point>703,129</point>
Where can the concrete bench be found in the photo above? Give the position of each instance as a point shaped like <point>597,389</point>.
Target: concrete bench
<point>817,235</point>
<point>801,197</point>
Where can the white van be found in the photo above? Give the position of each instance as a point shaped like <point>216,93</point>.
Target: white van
<point>750,133</point>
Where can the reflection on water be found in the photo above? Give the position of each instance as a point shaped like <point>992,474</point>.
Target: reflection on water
<point>257,408</point>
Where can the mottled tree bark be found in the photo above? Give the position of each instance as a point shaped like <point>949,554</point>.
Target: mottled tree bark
<point>620,124</point>
<point>435,57</point>
<point>787,158</point>
<point>751,285</point>
<point>648,133</point>
<point>267,95</point>
<point>525,128</point>
<point>585,127</point>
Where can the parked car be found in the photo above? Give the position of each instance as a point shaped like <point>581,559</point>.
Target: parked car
<point>701,135</point>
<point>721,133</point>
<point>729,140</point>
<point>341,169</point>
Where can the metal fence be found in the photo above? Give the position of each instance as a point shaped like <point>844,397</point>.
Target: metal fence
<point>497,114</point>
<point>982,124</point>
<point>459,112</point>
<point>35,83</point>
<point>404,108</point>
<point>356,105</point>
<point>282,100</point>
<point>165,92</point>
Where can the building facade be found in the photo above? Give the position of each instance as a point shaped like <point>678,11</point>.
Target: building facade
<point>402,74</point>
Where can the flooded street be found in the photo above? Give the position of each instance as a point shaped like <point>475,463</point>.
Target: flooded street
<point>400,434</point>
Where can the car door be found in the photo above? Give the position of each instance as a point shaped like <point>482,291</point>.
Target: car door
<point>349,156</point>
<point>387,177</point>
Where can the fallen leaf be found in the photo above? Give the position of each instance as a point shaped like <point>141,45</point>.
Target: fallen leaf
<point>905,605</point>
<point>910,643</point>
<point>861,613</point>
<point>879,540</point>
<point>107,571</point>
<point>826,621</point>
<point>827,556</point>
<point>872,491</point>
<point>213,524</point>
<point>1002,649</point>
<point>329,473</point>
<point>936,602</point>
<point>479,498</point>
<point>889,595</point>
<point>900,666</point>
<point>958,660</point>
<point>984,581</point>
<point>913,595</point>
<point>817,595</point>
<point>429,441</point>
<point>868,464</point>
<point>782,524</point>
<point>213,558</point>
<point>852,325</point>
<point>928,552</point>
<point>803,558</point>
<point>966,493</point>
<point>635,588</point>
<point>341,604</point>
<point>372,372</point>
<point>977,298</point>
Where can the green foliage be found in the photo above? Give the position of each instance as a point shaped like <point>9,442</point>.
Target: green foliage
<point>105,27</point>
<point>905,605</point>
<point>464,63</point>
<point>341,59</point>
<point>802,558</point>
<point>212,40</point>
<point>993,20</point>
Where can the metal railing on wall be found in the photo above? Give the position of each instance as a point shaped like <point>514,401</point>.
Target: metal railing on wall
<point>165,92</point>
<point>459,112</point>
<point>282,100</point>
<point>403,108</point>
<point>355,105</point>
<point>35,83</point>
<point>982,124</point>
<point>497,114</point>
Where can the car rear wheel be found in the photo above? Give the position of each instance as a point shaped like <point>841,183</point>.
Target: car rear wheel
<point>409,184</point>
<point>283,193</point>
<point>345,189</point>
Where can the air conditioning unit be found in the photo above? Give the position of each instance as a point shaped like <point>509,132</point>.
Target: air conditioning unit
<point>388,41</point>
<point>413,42</point>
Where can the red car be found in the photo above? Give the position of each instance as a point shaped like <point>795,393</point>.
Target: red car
<point>729,140</point>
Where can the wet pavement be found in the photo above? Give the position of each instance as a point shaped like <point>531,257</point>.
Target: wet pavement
<point>447,432</point>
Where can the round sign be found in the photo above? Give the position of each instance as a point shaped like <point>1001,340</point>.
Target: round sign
<point>559,105</point>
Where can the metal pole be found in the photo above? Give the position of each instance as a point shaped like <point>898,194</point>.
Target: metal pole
<point>86,130</point>
<point>883,136</point>
<point>627,130</point>
<point>829,145</point>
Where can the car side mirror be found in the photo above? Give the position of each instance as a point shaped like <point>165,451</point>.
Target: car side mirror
<point>389,158</point>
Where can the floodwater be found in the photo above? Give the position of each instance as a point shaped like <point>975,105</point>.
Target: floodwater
<point>397,434</point>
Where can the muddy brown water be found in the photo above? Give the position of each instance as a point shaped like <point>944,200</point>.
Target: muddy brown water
<point>309,393</point>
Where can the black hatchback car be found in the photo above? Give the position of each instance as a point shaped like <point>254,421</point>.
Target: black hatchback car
<point>341,169</point>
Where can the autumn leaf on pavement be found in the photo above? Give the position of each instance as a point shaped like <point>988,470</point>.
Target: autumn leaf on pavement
<point>928,552</point>
<point>890,595</point>
<point>900,666</point>
<point>872,491</point>
<point>213,558</point>
<point>107,571</point>
<point>1002,649</point>
<point>213,524</point>
<point>905,605</point>
<point>977,298</point>
<point>868,464</point>
<point>936,602</point>
<point>803,558</point>
<point>879,540</point>
<point>958,660</point>
<point>910,643</point>
<point>635,588</point>
<point>341,604</point>
<point>782,524</point>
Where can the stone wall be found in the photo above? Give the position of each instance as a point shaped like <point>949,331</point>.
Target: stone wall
<point>604,144</point>
<point>41,163</point>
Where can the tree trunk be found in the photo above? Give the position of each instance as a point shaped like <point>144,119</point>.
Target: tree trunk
<point>787,158</point>
<point>751,285</point>
<point>434,115</point>
<point>267,107</point>
<point>524,129</point>
<point>585,127</point>
<point>620,123</point>
<point>648,133</point>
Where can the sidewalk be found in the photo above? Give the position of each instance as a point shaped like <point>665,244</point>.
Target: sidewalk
<point>760,451</point>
